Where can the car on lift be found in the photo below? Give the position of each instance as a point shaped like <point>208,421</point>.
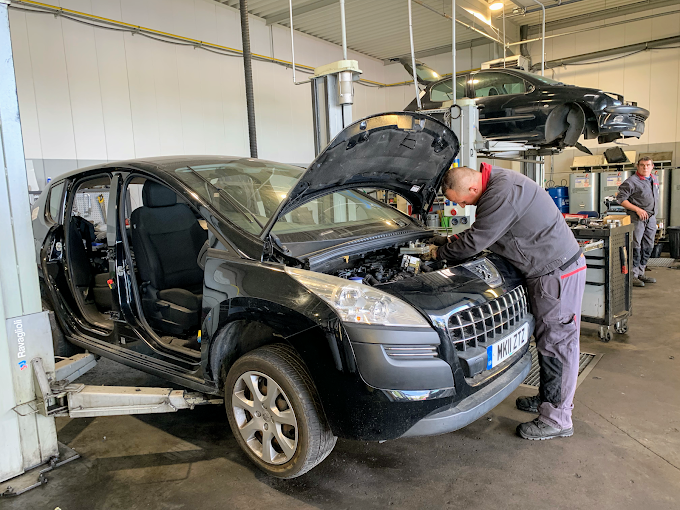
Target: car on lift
<point>516,106</point>
<point>291,292</point>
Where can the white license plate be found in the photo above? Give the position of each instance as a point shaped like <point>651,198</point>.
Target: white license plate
<point>500,351</point>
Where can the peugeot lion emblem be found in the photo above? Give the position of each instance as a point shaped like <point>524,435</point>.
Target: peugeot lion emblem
<point>486,271</point>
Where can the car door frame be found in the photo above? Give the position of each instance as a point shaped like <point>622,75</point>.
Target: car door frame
<point>73,324</point>
<point>501,127</point>
<point>126,282</point>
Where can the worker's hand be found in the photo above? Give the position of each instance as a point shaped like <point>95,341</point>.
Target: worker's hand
<point>439,240</point>
<point>642,214</point>
<point>432,254</point>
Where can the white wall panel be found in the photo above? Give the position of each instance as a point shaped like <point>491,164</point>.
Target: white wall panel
<point>53,102</point>
<point>113,83</point>
<point>663,96</point>
<point>84,91</point>
<point>167,75</point>
<point>141,57</point>
<point>302,124</point>
<point>228,27</point>
<point>30,126</point>
<point>234,112</point>
<point>191,73</point>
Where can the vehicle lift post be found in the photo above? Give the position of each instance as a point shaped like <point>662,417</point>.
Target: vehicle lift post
<point>28,440</point>
<point>464,122</point>
<point>332,98</point>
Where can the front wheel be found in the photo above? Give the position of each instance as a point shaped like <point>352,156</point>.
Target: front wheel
<point>275,413</point>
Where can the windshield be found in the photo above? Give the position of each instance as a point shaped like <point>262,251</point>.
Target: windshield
<point>248,193</point>
<point>337,216</point>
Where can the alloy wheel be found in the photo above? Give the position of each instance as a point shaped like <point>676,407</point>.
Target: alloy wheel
<point>265,418</point>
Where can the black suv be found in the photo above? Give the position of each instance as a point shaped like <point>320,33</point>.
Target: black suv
<point>290,292</point>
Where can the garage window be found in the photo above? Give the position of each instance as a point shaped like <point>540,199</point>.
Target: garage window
<point>497,84</point>
<point>54,202</point>
<point>443,92</point>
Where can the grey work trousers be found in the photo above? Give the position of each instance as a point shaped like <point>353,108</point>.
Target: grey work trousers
<point>556,304</point>
<point>643,244</point>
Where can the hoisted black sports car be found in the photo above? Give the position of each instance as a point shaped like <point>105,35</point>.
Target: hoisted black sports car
<point>517,106</point>
<point>290,292</point>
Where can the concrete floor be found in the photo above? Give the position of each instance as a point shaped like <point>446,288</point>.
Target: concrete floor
<point>625,453</point>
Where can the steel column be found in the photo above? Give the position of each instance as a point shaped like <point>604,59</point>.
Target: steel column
<point>26,440</point>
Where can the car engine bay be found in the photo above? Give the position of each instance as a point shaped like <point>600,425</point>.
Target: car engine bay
<point>385,265</point>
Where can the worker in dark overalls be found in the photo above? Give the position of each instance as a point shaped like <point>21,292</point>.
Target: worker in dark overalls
<point>639,194</point>
<point>518,220</point>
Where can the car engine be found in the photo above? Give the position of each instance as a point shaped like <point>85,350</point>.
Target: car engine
<point>386,265</point>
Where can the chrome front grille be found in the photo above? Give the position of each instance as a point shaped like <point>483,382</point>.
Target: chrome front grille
<point>405,352</point>
<point>488,322</point>
<point>637,118</point>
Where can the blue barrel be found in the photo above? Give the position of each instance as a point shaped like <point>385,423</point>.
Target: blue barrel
<point>560,195</point>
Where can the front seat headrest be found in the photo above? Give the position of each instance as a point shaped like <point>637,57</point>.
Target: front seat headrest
<point>157,195</point>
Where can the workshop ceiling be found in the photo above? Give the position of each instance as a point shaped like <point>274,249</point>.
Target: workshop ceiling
<point>379,28</point>
<point>569,13</point>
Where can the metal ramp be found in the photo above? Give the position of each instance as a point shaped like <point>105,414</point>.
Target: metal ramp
<point>587,362</point>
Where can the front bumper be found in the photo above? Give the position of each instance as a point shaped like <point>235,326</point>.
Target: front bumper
<point>474,406</point>
<point>628,121</point>
<point>412,372</point>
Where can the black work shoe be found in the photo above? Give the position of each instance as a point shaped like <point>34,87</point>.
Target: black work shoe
<point>537,430</point>
<point>528,404</point>
<point>638,283</point>
<point>646,279</point>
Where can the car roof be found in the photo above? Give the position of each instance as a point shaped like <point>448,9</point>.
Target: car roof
<point>517,72</point>
<point>158,164</point>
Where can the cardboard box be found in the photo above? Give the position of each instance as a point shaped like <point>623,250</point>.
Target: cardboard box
<point>623,218</point>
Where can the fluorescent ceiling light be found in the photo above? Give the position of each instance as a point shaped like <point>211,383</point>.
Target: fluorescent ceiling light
<point>478,15</point>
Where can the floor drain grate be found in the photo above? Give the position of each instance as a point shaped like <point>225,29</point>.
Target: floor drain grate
<point>660,262</point>
<point>586,360</point>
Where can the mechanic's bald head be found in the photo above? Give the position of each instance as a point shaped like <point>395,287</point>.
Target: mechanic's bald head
<point>462,185</point>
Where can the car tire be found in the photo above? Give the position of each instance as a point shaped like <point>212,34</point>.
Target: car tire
<point>284,431</point>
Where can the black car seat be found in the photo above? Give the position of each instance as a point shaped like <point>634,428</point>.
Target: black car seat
<point>166,238</point>
<point>89,284</point>
<point>80,235</point>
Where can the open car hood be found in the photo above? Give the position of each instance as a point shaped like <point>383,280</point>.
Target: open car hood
<point>405,152</point>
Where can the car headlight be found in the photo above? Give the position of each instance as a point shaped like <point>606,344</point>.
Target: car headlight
<point>359,303</point>
<point>617,119</point>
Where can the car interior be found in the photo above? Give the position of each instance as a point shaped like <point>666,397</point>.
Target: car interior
<point>86,250</point>
<point>165,236</point>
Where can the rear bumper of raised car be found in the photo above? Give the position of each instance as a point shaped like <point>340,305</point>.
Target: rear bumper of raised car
<point>475,406</point>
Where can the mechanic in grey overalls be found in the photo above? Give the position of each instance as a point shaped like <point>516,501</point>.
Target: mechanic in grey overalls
<point>518,220</point>
<point>640,195</point>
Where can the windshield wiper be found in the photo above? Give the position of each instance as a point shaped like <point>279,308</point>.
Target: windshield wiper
<point>227,197</point>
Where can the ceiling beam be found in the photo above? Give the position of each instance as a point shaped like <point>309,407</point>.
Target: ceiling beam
<point>300,9</point>
<point>609,13</point>
<point>462,45</point>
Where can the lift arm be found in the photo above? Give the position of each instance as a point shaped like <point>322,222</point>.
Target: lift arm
<point>64,398</point>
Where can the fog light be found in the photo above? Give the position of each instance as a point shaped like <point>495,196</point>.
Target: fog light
<point>618,119</point>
